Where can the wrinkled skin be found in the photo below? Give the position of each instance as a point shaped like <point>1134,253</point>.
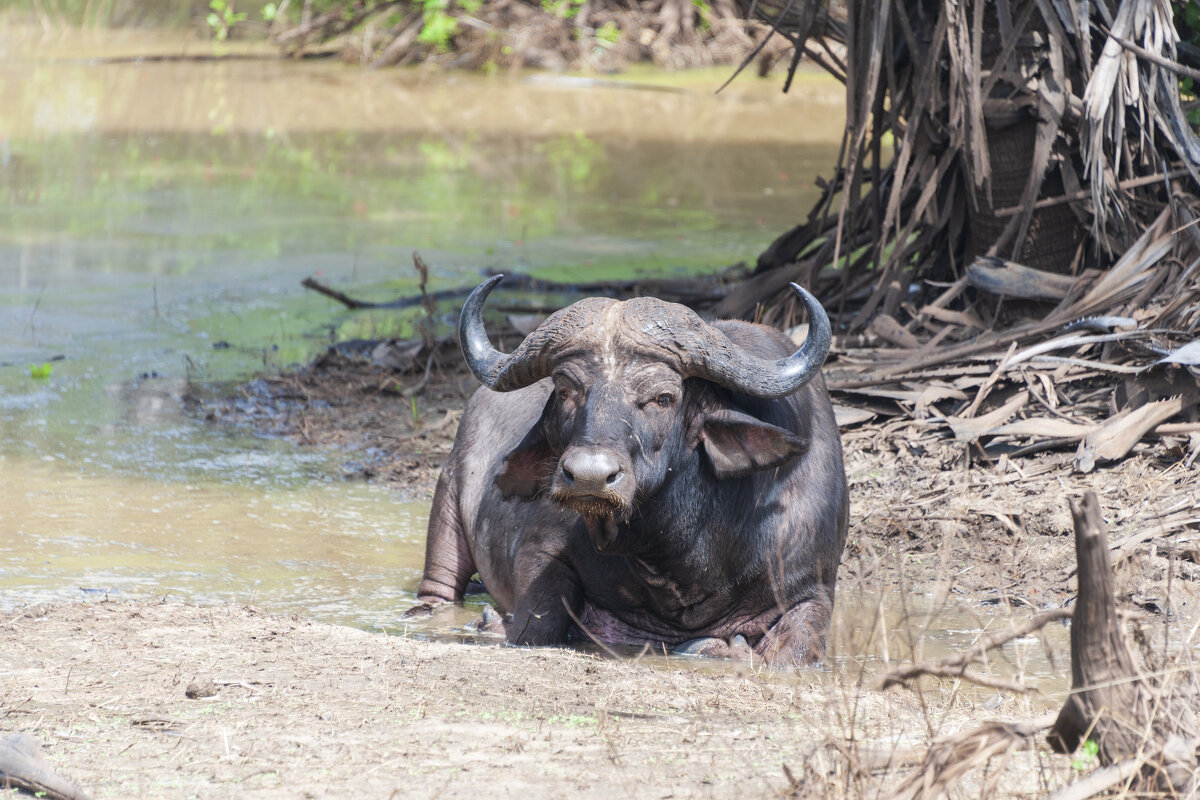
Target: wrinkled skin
<point>647,507</point>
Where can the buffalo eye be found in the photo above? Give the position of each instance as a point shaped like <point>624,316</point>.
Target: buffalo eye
<point>664,400</point>
<point>565,395</point>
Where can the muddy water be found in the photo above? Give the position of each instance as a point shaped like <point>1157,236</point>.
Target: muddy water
<point>156,218</point>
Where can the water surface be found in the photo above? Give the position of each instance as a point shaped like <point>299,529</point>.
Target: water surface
<point>157,216</point>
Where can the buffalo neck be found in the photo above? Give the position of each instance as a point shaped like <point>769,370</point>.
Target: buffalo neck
<point>695,528</point>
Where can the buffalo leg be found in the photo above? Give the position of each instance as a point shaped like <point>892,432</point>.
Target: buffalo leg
<point>736,649</point>
<point>798,637</point>
<point>546,591</point>
<point>448,562</point>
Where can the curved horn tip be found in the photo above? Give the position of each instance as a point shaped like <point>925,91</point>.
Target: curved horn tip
<point>816,312</point>
<point>482,359</point>
<point>803,293</point>
<point>479,294</point>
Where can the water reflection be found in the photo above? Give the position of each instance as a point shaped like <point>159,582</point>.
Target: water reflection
<point>874,631</point>
<point>153,210</point>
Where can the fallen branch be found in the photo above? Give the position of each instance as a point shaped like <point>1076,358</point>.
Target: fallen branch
<point>693,292</point>
<point>955,666</point>
<point>1099,781</point>
<point>346,300</point>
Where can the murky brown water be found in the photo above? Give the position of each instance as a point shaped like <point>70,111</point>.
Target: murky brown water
<point>330,550</point>
<point>156,218</point>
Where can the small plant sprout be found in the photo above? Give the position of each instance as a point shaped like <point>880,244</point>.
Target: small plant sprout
<point>1086,757</point>
<point>40,371</point>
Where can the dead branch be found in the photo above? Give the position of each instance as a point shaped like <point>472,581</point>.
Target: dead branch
<point>952,757</point>
<point>955,666</point>
<point>328,291</point>
<point>697,292</point>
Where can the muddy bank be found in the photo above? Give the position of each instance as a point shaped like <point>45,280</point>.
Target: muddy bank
<point>600,35</point>
<point>922,518</point>
<point>283,707</point>
<point>170,700</point>
<point>343,404</point>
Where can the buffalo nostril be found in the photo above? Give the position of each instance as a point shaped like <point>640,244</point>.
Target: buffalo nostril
<point>591,471</point>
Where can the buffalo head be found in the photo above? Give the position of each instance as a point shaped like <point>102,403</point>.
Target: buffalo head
<point>639,388</point>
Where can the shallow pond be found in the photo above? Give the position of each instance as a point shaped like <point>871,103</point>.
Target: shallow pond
<point>157,217</point>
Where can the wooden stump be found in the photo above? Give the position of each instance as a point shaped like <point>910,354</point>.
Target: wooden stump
<point>1110,703</point>
<point>1106,697</point>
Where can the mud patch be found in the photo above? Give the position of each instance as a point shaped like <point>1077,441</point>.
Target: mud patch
<point>923,519</point>
<point>302,709</point>
<point>346,405</point>
<point>167,700</point>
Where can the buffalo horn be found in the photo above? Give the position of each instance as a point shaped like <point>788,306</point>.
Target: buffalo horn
<point>706,353</point>
<point>531,361</point>
<point>703,351</point>
<point>484,361</point>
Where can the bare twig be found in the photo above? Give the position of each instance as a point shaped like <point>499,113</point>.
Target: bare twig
<point>955,666</point>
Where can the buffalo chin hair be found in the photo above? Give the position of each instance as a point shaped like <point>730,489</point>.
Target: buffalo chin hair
<point>594,507</point>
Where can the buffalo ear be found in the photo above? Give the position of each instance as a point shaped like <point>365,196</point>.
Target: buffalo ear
<point>527,467</point>
<point>737,444</point>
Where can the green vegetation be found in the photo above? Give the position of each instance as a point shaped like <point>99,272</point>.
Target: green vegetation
<point>1187,23</point>
<point>221,17</point>
<point>1087,756</point>
<point>607,34</point>
<point>439,26</point>
<point>563,9</point>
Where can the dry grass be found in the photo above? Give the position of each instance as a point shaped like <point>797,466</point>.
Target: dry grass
<point>599,35</point>
<point>304,709</point>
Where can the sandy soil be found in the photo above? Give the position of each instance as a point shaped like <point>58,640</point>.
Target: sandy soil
<point>299,709</point>
<point>291,708</point>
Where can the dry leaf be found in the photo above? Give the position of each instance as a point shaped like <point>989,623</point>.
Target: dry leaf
<point>1115,438</point>
<point>1044,427</point>
<point>847,416</point>
<point>968,430</point>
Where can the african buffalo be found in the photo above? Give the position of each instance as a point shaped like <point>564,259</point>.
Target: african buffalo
<point>634,472</point>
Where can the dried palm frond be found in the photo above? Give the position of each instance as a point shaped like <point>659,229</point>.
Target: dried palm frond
<point>1010,136</point>
<point>1008,168</point>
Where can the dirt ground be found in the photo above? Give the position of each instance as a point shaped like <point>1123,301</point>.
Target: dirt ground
<point>300,709</point>
<point>290,708</point>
